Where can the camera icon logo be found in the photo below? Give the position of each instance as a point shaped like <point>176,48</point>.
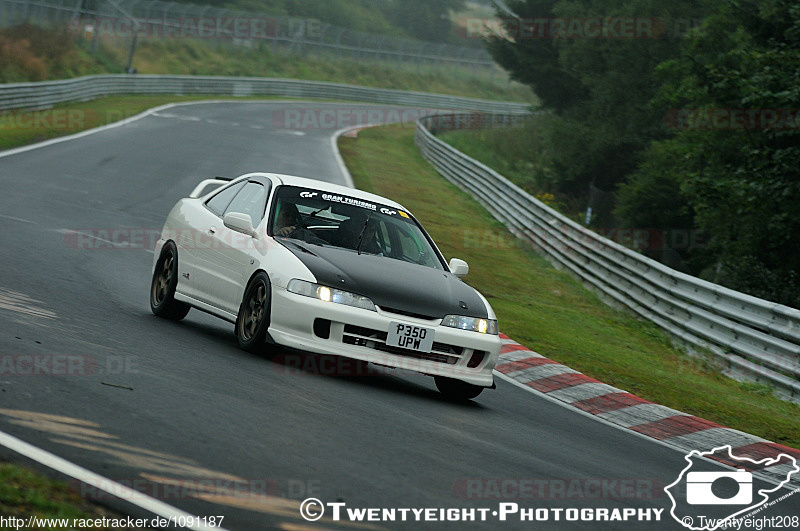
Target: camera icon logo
<point>699,488</point>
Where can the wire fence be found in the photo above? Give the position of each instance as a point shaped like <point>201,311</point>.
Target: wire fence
<point>153,19</point>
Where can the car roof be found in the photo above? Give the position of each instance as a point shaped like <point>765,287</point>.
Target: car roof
<point>293,180</point>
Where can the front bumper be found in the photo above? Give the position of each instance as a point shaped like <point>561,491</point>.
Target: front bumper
<point>361,334</point>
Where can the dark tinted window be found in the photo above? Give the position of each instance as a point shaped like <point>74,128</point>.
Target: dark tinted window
<point>324,218</point>
<point>250,200</point>
<point>220,202</point>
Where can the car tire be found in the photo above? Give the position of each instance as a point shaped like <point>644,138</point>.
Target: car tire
<point>456,390</point>
<point>162,287</point>
<point>253,319</point>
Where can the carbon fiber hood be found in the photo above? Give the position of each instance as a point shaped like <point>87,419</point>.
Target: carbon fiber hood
<point>389,283</point>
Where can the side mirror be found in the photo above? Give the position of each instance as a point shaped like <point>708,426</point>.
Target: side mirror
<point>240,223</point>
<point>458,267</point>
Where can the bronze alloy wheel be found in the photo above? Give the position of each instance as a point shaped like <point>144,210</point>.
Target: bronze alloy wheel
<point>253,319</point>
<point>162,288</point>
<point>253,311</point>
<point>164,278</point>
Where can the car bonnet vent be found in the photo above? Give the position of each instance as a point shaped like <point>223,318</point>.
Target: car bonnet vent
<point>408,314</point>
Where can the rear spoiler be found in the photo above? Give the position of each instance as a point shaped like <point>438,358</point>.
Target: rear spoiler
<point>216,182</point>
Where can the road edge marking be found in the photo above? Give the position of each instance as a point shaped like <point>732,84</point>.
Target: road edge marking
<point>516,362</point>
<point>348,179</point>
<point>121,492</point>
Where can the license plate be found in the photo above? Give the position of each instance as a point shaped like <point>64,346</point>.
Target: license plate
<point>410,337</point>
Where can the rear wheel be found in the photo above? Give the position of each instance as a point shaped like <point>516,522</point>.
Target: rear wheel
<point>162,287</point>
<point>253,319</point>
<point>456,390</point>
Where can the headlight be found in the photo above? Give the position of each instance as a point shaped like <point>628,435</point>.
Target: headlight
<point>324,293</point>
<point>475,324</point>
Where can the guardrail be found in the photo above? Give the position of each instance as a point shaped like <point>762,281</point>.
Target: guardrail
<point>45,94</point>
<point>754,338</point>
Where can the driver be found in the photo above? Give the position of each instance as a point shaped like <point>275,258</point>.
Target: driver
<point>288,219</point>
<point>369,241</point>
<point>352,229</point>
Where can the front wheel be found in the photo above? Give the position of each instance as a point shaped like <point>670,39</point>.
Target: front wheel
<point>253,319</point>
<point>456,390</point>
<point>162,287</point>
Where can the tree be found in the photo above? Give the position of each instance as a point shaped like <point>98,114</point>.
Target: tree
<point>740,172</point>
<point>428,20</point>
<point>601,85</point>
<point>535,61</point>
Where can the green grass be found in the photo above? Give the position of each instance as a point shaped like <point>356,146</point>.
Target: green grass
<point>522,154</point>
<point>20,127</point>
<point>548,310</point>
<point>511,151</point>
<point>24,493</point>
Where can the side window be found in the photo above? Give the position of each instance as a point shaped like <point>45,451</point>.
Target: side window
<point>219,202</point>
<point>250,200</point>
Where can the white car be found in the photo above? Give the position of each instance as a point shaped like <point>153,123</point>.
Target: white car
<point>325,269</point>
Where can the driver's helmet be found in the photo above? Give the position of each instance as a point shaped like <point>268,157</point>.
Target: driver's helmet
<point>287,216</point>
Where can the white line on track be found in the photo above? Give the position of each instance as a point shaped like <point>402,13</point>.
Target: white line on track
<point>18,219</point>
<point>91,236</point>
<point>154,111</point>
<point>531,390</point>
<point>83,475</point>
<point>348,179</point>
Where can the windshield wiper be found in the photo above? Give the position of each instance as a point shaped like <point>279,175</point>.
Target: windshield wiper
<point>361,234</point>
<point>311,216</point>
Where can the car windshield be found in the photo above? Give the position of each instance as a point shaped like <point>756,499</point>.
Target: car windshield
<point>323,218</point>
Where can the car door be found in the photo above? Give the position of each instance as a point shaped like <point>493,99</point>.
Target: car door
<point>206,221</point>
<point>183,220</point>
<point>231,252</point>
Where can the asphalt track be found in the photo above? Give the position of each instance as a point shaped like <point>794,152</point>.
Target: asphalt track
<point>156,404</point>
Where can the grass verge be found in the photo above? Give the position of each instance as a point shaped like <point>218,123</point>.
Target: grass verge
<point>522,154</point>
<point>24,493</point>
<point>551,312</point>
<point>20,126</point>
